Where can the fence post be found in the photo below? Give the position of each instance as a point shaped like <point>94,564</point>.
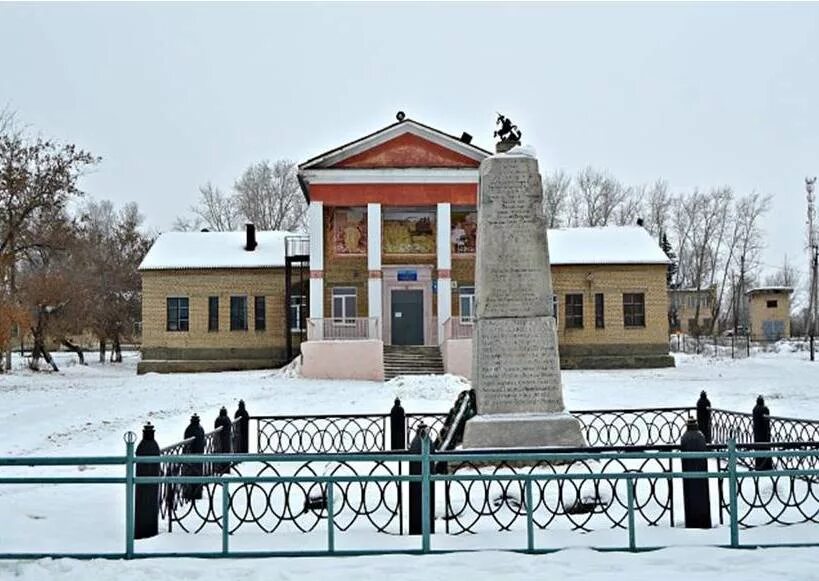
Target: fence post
<point>225,518</point>
<point>244,426</point>
<point>704,416</point>
<point>130,440</point>
<point>762,432</point>
<point>417,523</point>
<point>632,533</point>
<point>530,522</point>
<point>427,506</point>
<point>732,491</point>
<point>225,447</point>
<point>197,446</point>
<point>398,427</point>
<point>696,495</point>
<point>146,505</point>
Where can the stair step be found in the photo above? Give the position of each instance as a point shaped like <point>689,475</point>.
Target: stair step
<point>412,360</point>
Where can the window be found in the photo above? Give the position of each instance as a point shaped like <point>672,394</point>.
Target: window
<point>634,310</point>
<point>298,304</point>
<point>260,319</point>
<point>772,304</point>
<point>177,313</point>
<point>213,313</point>
<point>238,313</point>
<point>344,305</point>
<point>574,311</point>
<point>599,311</point>
<point>466,303</point>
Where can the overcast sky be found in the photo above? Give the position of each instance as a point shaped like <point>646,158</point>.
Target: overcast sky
<point>172,96</point>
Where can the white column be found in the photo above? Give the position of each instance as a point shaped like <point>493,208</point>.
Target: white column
<point>374,307</point>
<point>315,224</point>
<point>444,229</point>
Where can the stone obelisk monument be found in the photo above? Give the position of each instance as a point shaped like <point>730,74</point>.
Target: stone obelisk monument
<point>515,363</point>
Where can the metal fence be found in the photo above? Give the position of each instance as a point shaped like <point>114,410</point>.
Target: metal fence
<point>518,491</point>
<point>736,347</point>
<point>344,329</point>
<point>327,433</point>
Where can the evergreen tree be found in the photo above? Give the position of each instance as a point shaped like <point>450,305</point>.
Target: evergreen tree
<point>672,265</point>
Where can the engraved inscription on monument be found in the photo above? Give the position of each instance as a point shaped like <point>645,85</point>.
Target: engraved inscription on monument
<point>512,360</point>
<point>512,241</point>
<point>515,363</point>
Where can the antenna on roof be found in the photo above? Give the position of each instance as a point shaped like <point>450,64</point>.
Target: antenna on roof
<point>400,116</point>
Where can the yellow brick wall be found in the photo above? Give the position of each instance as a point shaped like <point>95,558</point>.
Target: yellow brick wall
<point>758,312</point>
<point>463,272</point>
<point>685,312</point>
<point>198,285</point>
<point>613,281</point>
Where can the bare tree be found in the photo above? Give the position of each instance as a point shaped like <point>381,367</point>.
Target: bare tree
<point>38,178</point>
<point>786,275</point>
<point>215,210</point>
<point>556,193</point>
<point>748,237</point>
<point>596,198</point>
<point>657,208</point>
<point>630,207</point>
<point>270,197</point>
<point>7,118</point>
<point>187,224</point>
<point>111,248</point>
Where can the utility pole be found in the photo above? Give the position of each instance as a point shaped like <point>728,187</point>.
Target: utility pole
<point>741,297</point>
<point>813,246</point>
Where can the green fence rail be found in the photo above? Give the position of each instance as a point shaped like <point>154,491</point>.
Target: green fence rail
<point>731,455</point>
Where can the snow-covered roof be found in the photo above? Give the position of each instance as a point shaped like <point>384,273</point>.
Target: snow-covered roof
<point>604,245</point>
<point>177,250</point>
<point>769,289</point>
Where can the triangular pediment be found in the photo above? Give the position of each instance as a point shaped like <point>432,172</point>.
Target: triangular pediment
<point>407,150</point>
<point>406,144</point>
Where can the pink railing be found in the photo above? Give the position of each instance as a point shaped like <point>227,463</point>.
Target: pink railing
<point>346,329</point>
<point>455,328</point>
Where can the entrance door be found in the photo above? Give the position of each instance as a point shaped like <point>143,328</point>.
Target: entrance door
<point>407,317</point>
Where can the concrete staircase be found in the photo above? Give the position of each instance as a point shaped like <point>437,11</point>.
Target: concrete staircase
<point>412,360</point>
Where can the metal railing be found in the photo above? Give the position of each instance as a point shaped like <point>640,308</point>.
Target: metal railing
<point>455,328</point>
<point>343,329</point>
<point>335,500</point>
<point>297,246</point>
<point>305,434</point>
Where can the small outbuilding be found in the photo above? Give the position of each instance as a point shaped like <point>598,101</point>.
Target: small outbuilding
<point>769,313</point>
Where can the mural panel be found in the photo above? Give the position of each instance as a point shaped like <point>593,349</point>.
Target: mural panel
<point>350,231</point>
<point>409,232</point>
<point>464,230</point>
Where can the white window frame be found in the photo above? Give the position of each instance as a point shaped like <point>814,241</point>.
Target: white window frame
<point>470,299</point>
<point>297,302</point>
<point>344,319</point>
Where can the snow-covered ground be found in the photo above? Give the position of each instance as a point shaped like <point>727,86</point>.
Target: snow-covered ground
<point>85,410</point>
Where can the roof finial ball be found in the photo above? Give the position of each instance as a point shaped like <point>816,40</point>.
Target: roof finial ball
<point>400,116</point>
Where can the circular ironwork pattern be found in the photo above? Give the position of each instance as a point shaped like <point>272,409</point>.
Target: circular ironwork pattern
<point>321,434</point>
<point>174,497</point>
<point>764,500</point>
<point>581,504</point>
<point>433,422</point>
<point>633,427</point>
<point>301,505</point>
